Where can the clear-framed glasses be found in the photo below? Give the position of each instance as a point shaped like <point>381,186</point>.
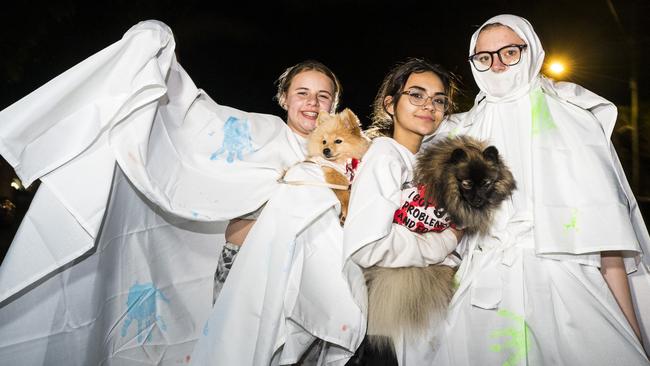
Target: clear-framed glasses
<point>419,98</point>
<point>509,55</point>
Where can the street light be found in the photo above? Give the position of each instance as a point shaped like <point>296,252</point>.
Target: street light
<point>556,68</point>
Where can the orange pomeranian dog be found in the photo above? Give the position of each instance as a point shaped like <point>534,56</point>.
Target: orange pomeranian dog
<point>337,145</point>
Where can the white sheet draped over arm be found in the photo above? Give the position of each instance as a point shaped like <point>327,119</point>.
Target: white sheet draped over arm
<point>286,289</point>
<point>133,104</point>
<point>371,237</point>
<point>58,134</point>
<point>404,248</point>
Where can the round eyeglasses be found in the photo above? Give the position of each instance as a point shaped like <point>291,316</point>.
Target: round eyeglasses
<point>419,98</point>
<point>509,55</point>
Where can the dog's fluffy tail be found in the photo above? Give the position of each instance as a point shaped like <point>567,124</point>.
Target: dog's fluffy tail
<point>406,301</point>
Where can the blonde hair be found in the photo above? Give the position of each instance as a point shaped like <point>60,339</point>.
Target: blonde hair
<point>284,81</point>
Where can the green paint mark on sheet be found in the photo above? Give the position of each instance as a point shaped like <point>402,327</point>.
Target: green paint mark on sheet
<point>573,221</point>
<point>516,344</point>
<point>540,113</point>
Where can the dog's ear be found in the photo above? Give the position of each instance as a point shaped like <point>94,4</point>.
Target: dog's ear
<point>323,117</point>
<point>350,120</point>
<point>457,156</point>
<point>492,154</point>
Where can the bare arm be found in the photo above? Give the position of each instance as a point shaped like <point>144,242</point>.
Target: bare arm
<point>613,271</point>
<point>237,230</point>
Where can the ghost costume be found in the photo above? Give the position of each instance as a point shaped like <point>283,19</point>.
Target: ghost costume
<point>372,239</point>
<point>531,292</point>
<point>293,254</point>
<point>114,262</point>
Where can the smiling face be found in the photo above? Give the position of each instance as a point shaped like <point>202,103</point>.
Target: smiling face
<point>492,39</point>
<point>309,92</point>
<point>413,122</point>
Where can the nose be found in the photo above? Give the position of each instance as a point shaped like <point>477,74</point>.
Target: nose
<point>312,100</point>
<point>327,152</point>
<point>497,65</point>
<point>428,104</point>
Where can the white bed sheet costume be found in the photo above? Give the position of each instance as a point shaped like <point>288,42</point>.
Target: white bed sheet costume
<point>114,262</point>
<point>531,292</point>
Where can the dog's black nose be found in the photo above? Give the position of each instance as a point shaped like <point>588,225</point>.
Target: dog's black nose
<point>327,152</point>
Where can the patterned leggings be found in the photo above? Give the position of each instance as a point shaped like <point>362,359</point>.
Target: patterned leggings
<point>226,259</point>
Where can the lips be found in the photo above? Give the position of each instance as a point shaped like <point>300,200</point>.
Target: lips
<point>426,118</point>
<point>309,114</point>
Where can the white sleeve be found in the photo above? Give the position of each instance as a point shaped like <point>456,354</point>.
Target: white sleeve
<point>404,248</point>
<point>370,236</point>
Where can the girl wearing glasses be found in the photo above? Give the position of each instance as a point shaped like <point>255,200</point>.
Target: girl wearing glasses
<point>412,101</point>
<point>549,285</point>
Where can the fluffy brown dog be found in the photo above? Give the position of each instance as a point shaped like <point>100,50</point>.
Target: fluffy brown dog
<point>466,177</point>
<point>469,180</point>
<point>338,144</point>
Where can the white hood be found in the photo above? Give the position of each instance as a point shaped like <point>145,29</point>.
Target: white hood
<point>518,79</point>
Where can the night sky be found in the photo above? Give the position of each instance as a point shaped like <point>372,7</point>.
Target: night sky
<point>235,50</point>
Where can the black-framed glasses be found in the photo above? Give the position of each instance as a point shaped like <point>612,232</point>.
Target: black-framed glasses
<point>509,55</point>
<point>419,98</point>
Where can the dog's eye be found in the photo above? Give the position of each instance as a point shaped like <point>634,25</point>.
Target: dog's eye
<point>338,141</point>
<point>324,142</point>
<point>487,182</point>
<point>466,184</point>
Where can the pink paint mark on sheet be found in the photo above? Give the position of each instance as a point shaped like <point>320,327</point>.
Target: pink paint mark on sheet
<point>344,327</point>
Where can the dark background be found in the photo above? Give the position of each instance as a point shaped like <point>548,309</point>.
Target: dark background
<point>235,51</point>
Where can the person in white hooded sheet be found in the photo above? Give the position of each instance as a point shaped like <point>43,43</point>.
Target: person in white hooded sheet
<point>549,284</point>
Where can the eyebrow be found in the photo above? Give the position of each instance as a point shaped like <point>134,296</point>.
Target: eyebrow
<point>424,90</point>
<point>307,89</point>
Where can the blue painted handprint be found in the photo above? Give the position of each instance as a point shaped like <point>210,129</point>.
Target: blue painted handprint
<point>141,306</point>
<point>236,140</point>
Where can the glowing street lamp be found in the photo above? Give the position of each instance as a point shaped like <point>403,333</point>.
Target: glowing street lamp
<point>556,68</point>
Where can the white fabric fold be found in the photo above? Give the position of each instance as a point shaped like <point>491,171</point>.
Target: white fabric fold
<point>58,134</point>
<point>286,289</point>
<point>133,104</point>
<point>141,297</point>
<point>404,248</point>
<point>371,237</point>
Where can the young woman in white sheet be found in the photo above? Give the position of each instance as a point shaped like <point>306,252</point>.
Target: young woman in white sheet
<point>141,171</point>
<point>304,90</point>
<point>411,103</point>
